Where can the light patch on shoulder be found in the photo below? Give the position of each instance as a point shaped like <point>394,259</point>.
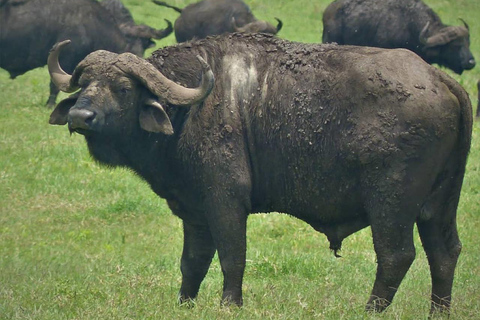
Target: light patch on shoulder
<point>241,73</point>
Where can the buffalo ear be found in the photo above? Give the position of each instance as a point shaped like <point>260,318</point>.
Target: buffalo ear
<point>60,113</point>
<point>153,118</point>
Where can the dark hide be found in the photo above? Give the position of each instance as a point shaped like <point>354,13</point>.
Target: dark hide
<point>341,137</point>
<point>398,24</point>
<point>30,28</point>
<point>213,17</point>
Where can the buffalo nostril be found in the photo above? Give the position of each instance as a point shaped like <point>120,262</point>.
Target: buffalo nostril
<point>80,118</point>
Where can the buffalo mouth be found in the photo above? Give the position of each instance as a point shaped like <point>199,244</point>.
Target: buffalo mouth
<point>470,64</point>
<point>458,70</point>
<point>83,132</point>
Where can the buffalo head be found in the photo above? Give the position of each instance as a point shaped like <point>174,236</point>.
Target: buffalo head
<point>258,26</point>
<point>449,46</point>
<point>120,95</point>
<point>139,36</point>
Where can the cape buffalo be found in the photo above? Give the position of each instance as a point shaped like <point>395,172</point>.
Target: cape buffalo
<point>341,137</point>
<point>407,24</point>
<point>138,35</point>
<point>29,28</point>
<point>214,17</point>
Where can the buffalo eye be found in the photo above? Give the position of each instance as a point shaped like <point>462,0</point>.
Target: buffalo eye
<point>123,87</point>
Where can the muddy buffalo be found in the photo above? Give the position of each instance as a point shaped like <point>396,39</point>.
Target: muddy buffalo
<point>29,28</point>
<point>341,137</point>
<point>409,24</point>
<point>214,17</point>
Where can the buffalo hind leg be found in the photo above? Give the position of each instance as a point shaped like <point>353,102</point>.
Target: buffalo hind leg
<point>437,228</point>
<point>442,246</point>
<point>198,251</point>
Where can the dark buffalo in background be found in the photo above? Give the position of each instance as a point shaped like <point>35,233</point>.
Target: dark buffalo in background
<point>138,35</point>
<point>342,137</point>
<point>213,17</point>
<point>29,28</point>
<point>409,24</point>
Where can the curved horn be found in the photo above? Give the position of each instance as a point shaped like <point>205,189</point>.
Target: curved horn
<point>162,33</point>
<point>59,77</point>
<point>144,31</point>
<point>465,24</point>
<point>235,27</point>
<point>163,87</point>
<point>446,35</point>
<point>279,25</point>
<point>423,34</point>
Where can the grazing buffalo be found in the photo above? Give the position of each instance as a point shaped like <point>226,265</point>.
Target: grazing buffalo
<point>213,17</point>
<point>138,35</point>
<point>29,28</point>
<point>409,24</point>
<point>341,137</point>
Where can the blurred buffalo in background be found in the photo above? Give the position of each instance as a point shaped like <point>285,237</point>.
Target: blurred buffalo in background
<point>213,17</point>
<point>138,35</point>
<point>409,24</point>
<point>29,28</point>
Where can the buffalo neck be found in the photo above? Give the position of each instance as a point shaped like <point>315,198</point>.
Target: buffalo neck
<point>150,155</point>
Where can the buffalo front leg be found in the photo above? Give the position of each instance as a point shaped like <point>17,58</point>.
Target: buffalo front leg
<point>198,251</point>
<point>228,225</point>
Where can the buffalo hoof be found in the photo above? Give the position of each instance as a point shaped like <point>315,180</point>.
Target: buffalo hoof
<point>377,305</point>
<point>229,301</point>
<point>186,302</point>
<point>51,102</point>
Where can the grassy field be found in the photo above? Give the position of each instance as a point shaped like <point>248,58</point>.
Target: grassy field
<point>78,241</point>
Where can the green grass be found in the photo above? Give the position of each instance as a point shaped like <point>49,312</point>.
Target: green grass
<point>78,241</point>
